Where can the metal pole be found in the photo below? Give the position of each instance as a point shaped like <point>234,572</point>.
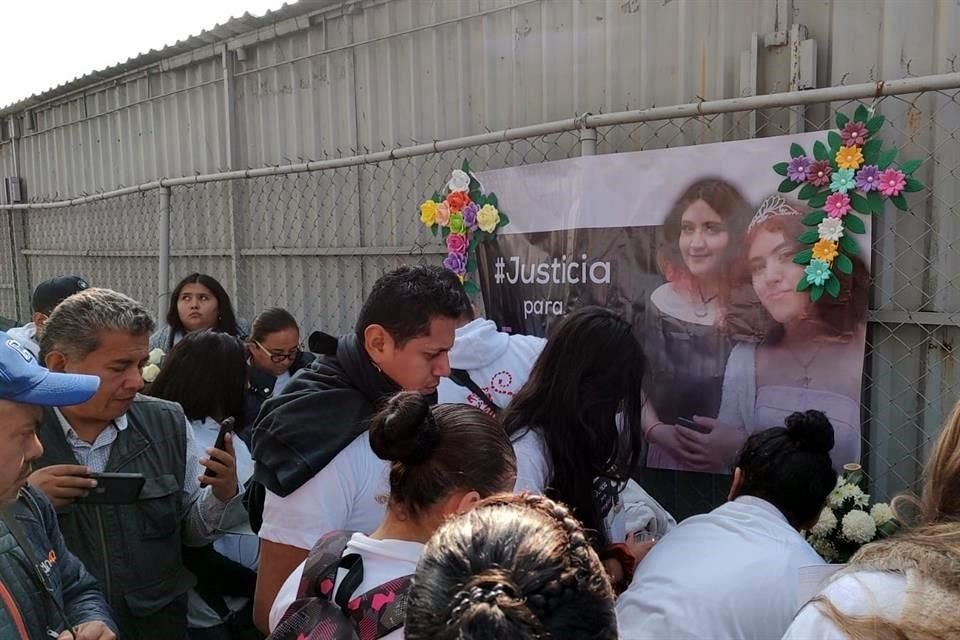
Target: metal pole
<point>163,291</point>
<point>588,142</point>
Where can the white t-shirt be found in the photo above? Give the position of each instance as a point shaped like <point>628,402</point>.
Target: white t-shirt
<point>383,560</point>
<point>281,382</point>
<point>349,494</point>
<point>861,594</point>
<point>533,475</point>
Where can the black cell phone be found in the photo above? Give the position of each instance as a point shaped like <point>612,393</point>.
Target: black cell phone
<point>114,488</point>
<point>227,426</point>
<point>686,423</point>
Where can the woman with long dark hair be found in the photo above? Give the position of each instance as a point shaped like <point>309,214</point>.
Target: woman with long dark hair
<point>198,302</point>
<point>575,424</point>
<point>433,453</point>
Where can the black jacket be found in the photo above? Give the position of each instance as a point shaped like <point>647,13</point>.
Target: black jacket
<point>261,390</point>
<point>322,409</point>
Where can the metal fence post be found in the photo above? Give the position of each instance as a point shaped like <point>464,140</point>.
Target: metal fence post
<point>163,290</point>
<point>588,141</point>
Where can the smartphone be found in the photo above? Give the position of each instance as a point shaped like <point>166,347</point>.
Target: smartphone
<point>114,488</point>
<point>693,426</point>
<point>227,426</point>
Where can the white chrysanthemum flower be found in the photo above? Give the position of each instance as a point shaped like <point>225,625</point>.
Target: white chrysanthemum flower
<point>854,492</point>
<point>830,229</point>
<point>858,526</point>
<point>825,524</point>
<point>836,497</point>
<point>150,373</point>
<point>156,357</point>
<point>459,181</point>
<point>824,548</point>
<point>882,513</point>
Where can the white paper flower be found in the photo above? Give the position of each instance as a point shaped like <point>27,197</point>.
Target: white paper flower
<point>882,513</point>
<point>825,524</point>
<point>156,357</point>
<point>824,548</point>
<point>830,229</point>
<point>150,373</point>
<point>858,526</point>
<point>459,181</point>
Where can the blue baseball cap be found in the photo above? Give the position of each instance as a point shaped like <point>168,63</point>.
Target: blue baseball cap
<point>24,380</point>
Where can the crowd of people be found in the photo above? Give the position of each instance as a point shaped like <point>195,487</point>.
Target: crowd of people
<point>425,476</point>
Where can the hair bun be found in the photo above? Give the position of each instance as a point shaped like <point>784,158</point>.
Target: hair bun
<point>405,430</point>
<point>811,431</point>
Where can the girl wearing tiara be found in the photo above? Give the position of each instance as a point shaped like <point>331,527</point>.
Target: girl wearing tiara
<point>684,337</point>
<point>801,360</point>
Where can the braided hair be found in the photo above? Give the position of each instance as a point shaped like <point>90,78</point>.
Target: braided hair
<point>513,567</point>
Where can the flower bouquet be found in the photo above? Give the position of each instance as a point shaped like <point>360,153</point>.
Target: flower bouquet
<point>848,521</point>
<point>464,216</point>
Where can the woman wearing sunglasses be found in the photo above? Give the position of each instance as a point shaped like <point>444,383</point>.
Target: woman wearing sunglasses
<point>275,355</point>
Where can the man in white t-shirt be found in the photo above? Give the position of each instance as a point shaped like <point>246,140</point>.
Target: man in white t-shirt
<point>46,297</point>
<point>310,445</point>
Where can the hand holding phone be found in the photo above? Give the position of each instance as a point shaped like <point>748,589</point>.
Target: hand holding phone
<point>686,423</point>
<point>114,488</point>
<point>221,464</point>
<point>227,426</point>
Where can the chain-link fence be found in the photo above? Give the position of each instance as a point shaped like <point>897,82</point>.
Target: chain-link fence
<point>314,241</point>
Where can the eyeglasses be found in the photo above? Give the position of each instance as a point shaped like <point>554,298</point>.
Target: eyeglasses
<point>277,358</point>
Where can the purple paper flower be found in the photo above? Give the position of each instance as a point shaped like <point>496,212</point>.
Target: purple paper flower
<point>868,178</point>
<point>470,215</point>
<point>455,262</point>
<point>798,169</point>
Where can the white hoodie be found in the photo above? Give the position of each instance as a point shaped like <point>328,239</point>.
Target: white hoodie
<point>499,363</point>
<point>26,336</point>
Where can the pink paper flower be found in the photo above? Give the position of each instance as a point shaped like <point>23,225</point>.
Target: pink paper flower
<point>854,134</point>
<point>837,205</point>
<point>443,214</point>
<point>818,174</point>
<point>457,243</point>
<point>892,182</point>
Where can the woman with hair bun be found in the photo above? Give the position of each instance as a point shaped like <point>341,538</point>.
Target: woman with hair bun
<point>434,474</point>
<point>515,567</point>
<point>733,573</point>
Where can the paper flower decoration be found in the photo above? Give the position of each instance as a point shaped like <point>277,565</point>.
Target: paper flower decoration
<point>849,176</point>
<point>464,216</point>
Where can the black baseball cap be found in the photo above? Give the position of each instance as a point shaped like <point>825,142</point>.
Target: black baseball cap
<point>52,292</point>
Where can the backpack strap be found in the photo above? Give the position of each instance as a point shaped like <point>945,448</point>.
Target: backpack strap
<point>320,571</point>
<point>380,610</point>
<point>462,378</point>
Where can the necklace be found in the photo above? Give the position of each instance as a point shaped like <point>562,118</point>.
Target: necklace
<point>704,309</point>
<point>805,379</point>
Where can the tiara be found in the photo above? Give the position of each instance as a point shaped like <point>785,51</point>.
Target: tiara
<point>775,205</point>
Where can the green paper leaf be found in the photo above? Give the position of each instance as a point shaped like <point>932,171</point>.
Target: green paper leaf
<point>433,229</point>
<point>853,223</point>
<point>819,200</point>
<point>804,284</point>
<point>803,257</point>
<point>835,143</point>
<point>871,151</point>
<point>842,120</point>
<point>796,151</point>
<point>807,192</point>
<point>886,158</point>
<point>861,114</point>
<point>787,186</point>
<point>900,202</point>
<point>781,168</point>
<point>832,286</point>
<point>445,231</point>
<point>910,166</point>
<point>844,264</point>
<point>437,197</point>
<point>471,288</point>
<point>860,204</point>
<point>875,200</point>
<point>465,167</point>
<point>913,185</point>
<point>504,220</point>
<point>474,241</point>
<point>809,237</point>
<point>850,245</point>
<point>477,197</point>
<point>814,218</point>
<point>492,199</point>
<point>820,151</point>
<point>874,124</point>
<point>816,293</point>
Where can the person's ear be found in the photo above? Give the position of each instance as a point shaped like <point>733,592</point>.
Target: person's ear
<point>55,361</point>
<point>468,501</point>
<point>737,484</point>
<point>378,343</point>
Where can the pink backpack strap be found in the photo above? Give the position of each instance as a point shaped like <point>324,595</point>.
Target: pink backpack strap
<point>320,571</point>
<point>380,610</point>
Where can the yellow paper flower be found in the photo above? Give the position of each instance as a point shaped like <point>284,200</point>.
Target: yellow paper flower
<point>428,213</point>
<point>825,250</point>
<point>488,218</point>
<point>849,157</point>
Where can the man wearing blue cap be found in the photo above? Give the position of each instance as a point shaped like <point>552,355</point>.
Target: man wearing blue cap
<point>45,591</point>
